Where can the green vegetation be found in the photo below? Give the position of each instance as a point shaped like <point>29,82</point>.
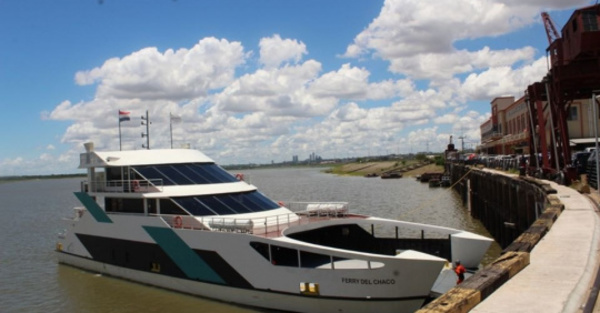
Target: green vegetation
<point>439,160</point>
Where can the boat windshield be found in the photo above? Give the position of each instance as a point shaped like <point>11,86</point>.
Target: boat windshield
<point>225,204</point>
<point>186,174</point>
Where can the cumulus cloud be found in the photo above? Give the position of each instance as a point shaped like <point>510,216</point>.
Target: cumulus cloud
<point>418,38</point>
<point>172,75</point>
<point>407,28</point>
<point>277,92</point>
<point>503,81</point>
<point>275,51</point>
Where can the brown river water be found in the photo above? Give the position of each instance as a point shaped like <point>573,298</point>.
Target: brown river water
<point>32,281</point>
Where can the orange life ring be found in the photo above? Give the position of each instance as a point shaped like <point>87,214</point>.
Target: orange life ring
<point>177,222</point>
<point>239,176</point>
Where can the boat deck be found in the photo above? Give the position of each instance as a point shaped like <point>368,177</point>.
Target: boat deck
<point>304,219</point>
<point>270,227</point>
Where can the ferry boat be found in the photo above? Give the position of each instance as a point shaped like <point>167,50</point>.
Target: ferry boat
<point>176,220</point>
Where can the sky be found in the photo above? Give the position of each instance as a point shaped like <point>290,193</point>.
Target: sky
<point>260,81</point>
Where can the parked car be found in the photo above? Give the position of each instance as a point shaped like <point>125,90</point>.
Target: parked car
<point>579,161</point>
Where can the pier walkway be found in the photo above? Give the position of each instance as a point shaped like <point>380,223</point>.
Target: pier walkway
<point>563,265</point>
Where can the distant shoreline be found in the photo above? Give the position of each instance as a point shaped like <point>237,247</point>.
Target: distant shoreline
<point>410,169</point>
<point>5,179</point>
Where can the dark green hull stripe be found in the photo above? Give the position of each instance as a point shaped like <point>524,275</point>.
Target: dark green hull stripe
<point>186,259</point>
<point>93,207</point>
<point>150,257</point>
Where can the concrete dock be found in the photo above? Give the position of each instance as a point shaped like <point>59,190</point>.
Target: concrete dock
<point>563,265</point>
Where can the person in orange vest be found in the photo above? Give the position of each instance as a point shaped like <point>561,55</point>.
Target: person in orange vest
<point>460,271</point>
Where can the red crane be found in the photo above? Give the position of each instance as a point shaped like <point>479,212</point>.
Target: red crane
<point>574,74</point>
<point>550,29</point>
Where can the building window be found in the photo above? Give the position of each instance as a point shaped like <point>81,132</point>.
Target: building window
<point>589,20</point>
<point>520,125</point>
<point>572,114</point>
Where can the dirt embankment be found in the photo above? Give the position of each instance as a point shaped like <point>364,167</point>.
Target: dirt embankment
<point>408,170</point>
<point>430,168</point>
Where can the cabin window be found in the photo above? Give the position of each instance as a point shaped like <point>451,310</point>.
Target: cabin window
<point>168,207</point>
<point>186,174</point>
<point>152,203</point>
<point>282,256</point>
<point>194,206</point>
<point>122,205</point>
<point>261,248</point>
<point>236,203</point>
<point>312,260</point>
<point>215,205</point>
<point>113,173</point>
<point>574,24</point>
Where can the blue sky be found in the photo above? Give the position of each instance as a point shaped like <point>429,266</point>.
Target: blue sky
<point>256,81</point>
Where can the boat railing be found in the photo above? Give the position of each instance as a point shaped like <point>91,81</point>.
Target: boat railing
<point>183,221</point>
<point>305,213</point>
<point>123,186</point>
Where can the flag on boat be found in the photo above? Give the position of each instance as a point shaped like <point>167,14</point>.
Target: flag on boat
<point>124,116</point>
<point>175,118</point>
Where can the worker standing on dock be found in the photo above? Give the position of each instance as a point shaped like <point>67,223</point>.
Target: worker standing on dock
<point>522,165</point>
<point>460,271</point>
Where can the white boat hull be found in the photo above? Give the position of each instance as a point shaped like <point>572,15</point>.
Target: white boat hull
<point>254,298</point>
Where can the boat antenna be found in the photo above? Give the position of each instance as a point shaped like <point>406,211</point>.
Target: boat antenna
<point>146,121</point>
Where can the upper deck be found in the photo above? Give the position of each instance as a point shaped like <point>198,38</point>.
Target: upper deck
<point>94,159</point>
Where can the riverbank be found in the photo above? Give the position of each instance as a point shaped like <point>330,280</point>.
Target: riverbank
<point>408,169</point>
<point>5,179</point>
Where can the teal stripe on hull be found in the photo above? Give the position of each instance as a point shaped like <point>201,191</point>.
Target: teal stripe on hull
<point>93,207</point>
<point>188,261</point>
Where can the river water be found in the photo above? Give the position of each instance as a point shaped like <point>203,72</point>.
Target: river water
<point>32,281</point>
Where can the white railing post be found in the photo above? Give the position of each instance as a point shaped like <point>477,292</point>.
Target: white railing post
<point>265,231</point>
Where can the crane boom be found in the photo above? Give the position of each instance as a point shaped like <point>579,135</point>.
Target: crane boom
<point>551,31</point>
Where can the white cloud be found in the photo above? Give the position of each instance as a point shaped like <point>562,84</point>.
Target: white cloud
<point>406,28</point>
<point>503,81</point>
<point>275,51</point>
<point>352,83</point>
<point>449,118</point>
<point>172,75</point>
<point>418,37</point>
<point>276,92</point>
